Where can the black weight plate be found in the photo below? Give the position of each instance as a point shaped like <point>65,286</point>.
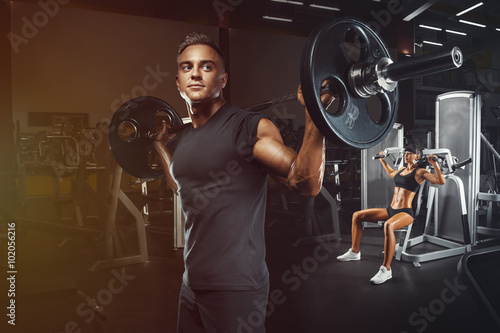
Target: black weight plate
<point>328,55</point>
<point>133,155</point>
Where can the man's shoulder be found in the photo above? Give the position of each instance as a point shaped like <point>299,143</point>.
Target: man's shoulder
<point>235,109</point>
<point>240,113</point>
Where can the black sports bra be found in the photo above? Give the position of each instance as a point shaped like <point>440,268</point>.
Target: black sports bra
<point>407,182</point>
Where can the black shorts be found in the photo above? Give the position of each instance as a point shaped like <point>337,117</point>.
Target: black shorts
<point>391,211</point>
<point>222,310</point>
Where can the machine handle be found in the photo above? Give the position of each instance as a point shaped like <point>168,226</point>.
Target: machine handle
<point>388,151</point>
<point>461,164</point>
<point>422,161</point>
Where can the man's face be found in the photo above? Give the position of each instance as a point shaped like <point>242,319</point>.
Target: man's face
<point>200,74</point>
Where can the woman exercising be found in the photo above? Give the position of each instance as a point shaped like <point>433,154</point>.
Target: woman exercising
<point>399,213</point>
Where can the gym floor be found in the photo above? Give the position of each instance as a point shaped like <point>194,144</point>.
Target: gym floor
<point>310,291</point>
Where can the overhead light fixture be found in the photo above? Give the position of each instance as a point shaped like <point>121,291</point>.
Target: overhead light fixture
<point>290,2</point>
<point>470,8</point>
<point>472,23</point>
<point>456,32</point>
<point>325,7</point>
<point>274,18</point>
<point>432,43</point>
<point>429,27</point>
<point>497,29</point>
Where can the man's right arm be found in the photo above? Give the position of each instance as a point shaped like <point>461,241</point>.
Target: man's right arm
<point>164,155</point>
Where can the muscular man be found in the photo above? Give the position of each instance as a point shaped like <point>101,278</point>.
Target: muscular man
<point>220,168</point>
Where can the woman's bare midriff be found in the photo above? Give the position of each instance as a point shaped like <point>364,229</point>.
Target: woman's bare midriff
<point>402,198</point>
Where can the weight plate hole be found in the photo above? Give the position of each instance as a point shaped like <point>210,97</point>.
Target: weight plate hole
<point>160,116</point>
<point>352,45</point>
<point>374,108</point>
<point>154,161</point>
<point>127,131</point>
<point>332,88</point>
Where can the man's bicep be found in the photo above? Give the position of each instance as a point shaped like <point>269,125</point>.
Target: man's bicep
<point>270,151</point>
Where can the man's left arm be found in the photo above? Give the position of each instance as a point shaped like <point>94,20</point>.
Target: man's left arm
<point>302,172</point>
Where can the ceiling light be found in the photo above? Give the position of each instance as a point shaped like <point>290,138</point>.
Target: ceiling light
<point>456,32</point>
<point>277,18</point>
<point>325,7</point>
<point>432,43</point>
<point>470,8</point>
<point>472,23</point>
<point>497,29</point>
<point>430,27</point>
<point>290,2</point>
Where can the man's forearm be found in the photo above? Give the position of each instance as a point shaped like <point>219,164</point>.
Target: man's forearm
<point>165,160</point>
<point>305,176</point>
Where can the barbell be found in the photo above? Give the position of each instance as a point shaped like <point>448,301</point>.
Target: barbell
<point>346,52</point>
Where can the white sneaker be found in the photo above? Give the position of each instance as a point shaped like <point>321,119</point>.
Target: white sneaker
<point>382,276</point>
<point>349,255</point>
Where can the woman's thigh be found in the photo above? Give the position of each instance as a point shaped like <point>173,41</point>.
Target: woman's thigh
<point>399,221</point>
<point>371,215</point>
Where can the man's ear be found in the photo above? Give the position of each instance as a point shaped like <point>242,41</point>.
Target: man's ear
<point>177,82</point>
<point>224,79</point>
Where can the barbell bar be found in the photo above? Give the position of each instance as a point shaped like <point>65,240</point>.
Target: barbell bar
<point>359,81</point>
<point>383,78</point>
<point>345,52</point>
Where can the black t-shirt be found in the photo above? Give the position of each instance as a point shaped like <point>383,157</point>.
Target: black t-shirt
<point>222,192</point>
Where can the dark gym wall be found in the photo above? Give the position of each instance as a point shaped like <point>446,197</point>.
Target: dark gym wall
<point>266,66</point>
<point>6,134</point>
<point>87,61</point>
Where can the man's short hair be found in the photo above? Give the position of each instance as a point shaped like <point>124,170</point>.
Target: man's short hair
<point>195,38</point>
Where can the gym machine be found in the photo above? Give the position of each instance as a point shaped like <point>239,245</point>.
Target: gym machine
<point>458,127</point>
<point>449,166</point>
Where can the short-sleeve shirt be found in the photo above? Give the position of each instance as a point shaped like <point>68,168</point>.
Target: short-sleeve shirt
<point>222,191</point>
